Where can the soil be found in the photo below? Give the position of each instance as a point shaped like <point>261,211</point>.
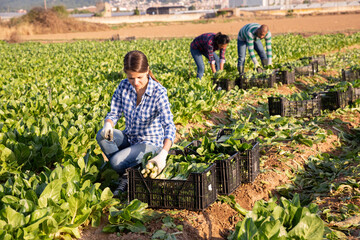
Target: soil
<point>306,25</point>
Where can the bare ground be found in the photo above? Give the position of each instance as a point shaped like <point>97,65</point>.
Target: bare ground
<point>307,25</point>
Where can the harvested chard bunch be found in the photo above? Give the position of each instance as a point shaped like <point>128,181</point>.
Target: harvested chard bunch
<point>151,170</point>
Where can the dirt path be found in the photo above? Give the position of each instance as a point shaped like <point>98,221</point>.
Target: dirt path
<point>308,24</point>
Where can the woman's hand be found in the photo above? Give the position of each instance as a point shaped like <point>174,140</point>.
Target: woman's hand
<point>159,160</point>
<point>108,131</point>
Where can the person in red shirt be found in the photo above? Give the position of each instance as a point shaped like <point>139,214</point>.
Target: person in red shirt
<point>206,44</point>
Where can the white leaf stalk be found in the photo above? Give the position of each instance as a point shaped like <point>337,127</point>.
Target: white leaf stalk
<point>151,170</point>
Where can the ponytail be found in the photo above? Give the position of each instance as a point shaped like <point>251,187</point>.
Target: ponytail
<point>152,76</point>
<point>221,39</point>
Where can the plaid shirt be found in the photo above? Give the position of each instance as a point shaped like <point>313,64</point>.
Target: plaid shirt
<point>205,44</point>
<point>151,121</point>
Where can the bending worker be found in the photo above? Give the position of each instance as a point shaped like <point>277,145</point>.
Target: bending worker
<point>206,44</point>
<point>250,36</point>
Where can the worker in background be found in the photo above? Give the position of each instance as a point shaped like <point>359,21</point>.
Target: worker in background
<point>206,44</point>
<point>250,37</point>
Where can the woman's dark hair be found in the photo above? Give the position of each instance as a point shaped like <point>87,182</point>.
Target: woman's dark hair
<point>221,39</point>
<point>136,61</point>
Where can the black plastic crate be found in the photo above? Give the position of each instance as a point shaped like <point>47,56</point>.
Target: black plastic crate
<point>285,77</point>
<point>286,108</point>
<point>240,167</point>
<point>250,164</point>
<point>196,193</point>
<point>319,58</point>
<point>356,94</point>
<point>223,132</point>
<point>350,75</point>
<point>308,70</point>
<point>336,99</point>
<point>224,84</point>
<point>265,82</point>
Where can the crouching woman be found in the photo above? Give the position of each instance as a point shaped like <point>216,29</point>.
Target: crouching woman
<point>149,125</point>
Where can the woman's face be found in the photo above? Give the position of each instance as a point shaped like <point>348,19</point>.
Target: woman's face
<point>222,46</point>
<point>138,80</point>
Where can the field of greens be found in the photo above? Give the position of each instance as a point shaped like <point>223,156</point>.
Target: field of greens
<point>54,181</point>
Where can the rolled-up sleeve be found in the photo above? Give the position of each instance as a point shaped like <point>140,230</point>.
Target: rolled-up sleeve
<point>166,117</point>
<point>210,51</point>
<point>116,107</point>
<point>222,55</point>
<point>268,47</point>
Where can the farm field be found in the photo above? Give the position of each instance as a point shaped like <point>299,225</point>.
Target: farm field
<point>55,183</point>
<point>307,25</point>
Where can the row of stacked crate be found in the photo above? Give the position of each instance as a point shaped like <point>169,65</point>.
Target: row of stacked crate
<point>327,100</point>
<point>277,76</point>
<point>199,190</point>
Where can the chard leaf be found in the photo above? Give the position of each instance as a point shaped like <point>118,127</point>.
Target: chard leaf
<point>309,227</point>
<point>52,190</point>
<point>270,229</point>
<point>12,217</point>
<point>106,194</point>
<point>247,230</point>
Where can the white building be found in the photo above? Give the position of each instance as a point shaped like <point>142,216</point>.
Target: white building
<point>248,3</point>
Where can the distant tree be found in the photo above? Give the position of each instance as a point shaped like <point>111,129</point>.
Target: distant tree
<point>221,13</point>
<point>136,11</point>
<point>77,11</point>
<point>60,11</point>
<point>192,7</point>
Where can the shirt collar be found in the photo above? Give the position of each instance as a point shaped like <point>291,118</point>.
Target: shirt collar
<point>150,87</point>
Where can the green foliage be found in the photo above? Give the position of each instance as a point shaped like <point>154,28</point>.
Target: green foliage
<point>51,204</point>
<point>136,11</point>
<point>14,5</point>
<point>288,220</point>
<point>129,218</point>
<point>60,11</point>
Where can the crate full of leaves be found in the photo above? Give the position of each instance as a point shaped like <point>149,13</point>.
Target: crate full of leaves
<point>338,96</point>
<point>351,74</point>
<point>285,75</point>
<point>306,68</point>
<point>319,58</point>
<point>236,161</point>
<point>224,80</point>
<point>250,79</point>
<point>295,105</point>
<point>356,94</point>
<point>183,184</point>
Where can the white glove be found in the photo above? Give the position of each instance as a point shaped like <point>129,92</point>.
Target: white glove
<point>107,131</point>
<point>160,160</point>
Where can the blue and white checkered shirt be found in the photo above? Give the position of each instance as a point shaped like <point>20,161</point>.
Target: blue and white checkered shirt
<point>151,121</point>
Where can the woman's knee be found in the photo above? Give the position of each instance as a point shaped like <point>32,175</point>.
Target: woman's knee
<point>99,137</point>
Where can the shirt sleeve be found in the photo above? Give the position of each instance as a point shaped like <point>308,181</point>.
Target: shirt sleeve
<point>222,55</point>
<point>250,45</point>
<point>210,51</point>
<point>166,117</point>
<point>268,47</point>
<point>115,107</point>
